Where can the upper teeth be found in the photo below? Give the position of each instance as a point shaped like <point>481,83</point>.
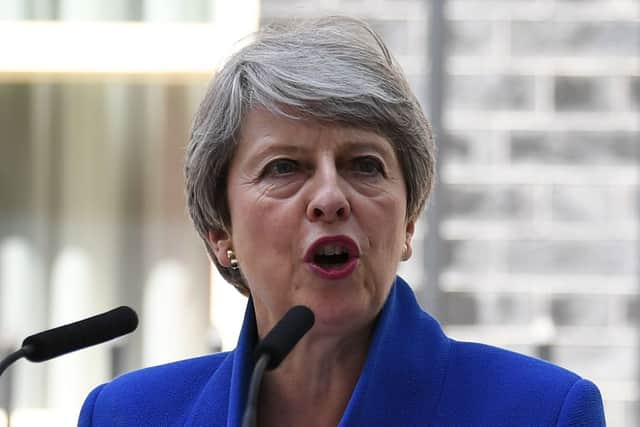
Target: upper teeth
<point>332,250</point>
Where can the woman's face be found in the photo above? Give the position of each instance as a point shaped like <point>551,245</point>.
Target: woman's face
<point>318,218</point>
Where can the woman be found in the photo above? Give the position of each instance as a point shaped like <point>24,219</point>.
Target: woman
<point>309,163</point>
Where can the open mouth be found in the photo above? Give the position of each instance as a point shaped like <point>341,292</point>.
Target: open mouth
<point>333,257</point>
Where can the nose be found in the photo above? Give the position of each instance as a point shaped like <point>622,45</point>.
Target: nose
<point>328,202</point>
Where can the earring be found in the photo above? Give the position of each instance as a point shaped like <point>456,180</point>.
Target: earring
<point>406,253</point>
<point>231,256</point>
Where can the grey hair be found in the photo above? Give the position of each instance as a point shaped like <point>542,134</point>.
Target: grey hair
<point>335,70</point>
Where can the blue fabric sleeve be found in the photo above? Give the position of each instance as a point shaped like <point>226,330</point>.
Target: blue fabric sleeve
<point>86,413</point>
<point>582,406</point>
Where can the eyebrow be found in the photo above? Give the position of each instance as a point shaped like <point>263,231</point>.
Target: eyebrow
<point>279,147</point>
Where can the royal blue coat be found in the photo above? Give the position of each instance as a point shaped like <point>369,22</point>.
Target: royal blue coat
<point>414,375</point>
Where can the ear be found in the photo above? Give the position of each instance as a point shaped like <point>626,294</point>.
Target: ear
<point>409,230</point>
<point>220,242</point>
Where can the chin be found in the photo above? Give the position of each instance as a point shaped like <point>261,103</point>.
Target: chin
<point>342,317</point>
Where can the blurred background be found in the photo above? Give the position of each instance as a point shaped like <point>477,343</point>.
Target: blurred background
<point>531,241</point>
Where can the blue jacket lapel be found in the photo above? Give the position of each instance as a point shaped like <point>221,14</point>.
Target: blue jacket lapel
<point>224,396</point>
<point>405,369</point>
<point>401,380</point>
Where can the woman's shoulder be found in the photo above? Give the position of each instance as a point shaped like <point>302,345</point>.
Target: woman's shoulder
<point>518,387</point>
<point>175,370</point>
<point>151,395</point>
<point>482,360</point>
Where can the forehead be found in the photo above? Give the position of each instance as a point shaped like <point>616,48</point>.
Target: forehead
<point>262,129</point>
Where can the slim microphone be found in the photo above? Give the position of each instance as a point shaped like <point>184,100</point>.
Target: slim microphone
<point>75,336</point>
<point>272,350</point>
<point>285,335</point>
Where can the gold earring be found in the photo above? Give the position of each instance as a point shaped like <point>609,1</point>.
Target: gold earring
<point>231,256</point>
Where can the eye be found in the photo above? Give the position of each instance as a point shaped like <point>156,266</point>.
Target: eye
<point>368,165</point>
<point>280,167</point>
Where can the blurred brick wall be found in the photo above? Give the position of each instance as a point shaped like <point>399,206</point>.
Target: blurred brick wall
<point>539,185</point>
<point>539,194</point>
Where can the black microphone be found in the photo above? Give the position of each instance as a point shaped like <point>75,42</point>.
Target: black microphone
<point>75,336</point>
<point>285,335</point>
<point>272,350</point>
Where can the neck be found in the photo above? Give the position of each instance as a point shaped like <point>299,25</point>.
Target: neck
<point>313,385</point>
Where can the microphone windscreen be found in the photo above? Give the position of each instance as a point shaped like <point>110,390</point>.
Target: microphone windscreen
<point>84,333</point>
<point>285,335</point>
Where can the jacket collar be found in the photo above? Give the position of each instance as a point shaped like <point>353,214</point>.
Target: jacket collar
<point>401,380</point>
<point>242,366</point>
<point>221,402</point>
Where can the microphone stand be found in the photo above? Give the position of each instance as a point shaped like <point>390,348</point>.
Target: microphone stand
<point>272,349</point>
<point>7,361</point>
<point>4,364</point>
<point>251,411</point>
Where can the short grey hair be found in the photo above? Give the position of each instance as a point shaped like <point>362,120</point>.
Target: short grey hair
<point>334,70</point>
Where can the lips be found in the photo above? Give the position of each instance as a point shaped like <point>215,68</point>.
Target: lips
<point>333,257</point>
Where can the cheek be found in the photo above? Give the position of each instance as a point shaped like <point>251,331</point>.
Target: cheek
<point>386,222</point>
<point>260,244</point>
<point>383,224</point>
<point>262,227</point>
